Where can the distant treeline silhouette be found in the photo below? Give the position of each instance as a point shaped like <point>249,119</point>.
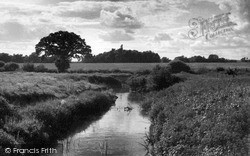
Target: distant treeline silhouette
<point>211,58</point>
<point>124,56</point>
<point>117,56</point>
<point>32,58</point>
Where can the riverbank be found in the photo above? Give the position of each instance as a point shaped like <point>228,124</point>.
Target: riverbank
<point>29,119</point>
<point>119,132</point>
<point>205,115</point>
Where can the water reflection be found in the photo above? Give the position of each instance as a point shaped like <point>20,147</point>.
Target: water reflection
<point>118,133</point>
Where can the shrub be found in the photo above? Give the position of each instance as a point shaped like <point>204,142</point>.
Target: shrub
<point>219,69</point>
<point>28,67</point>
<point>138,83</point>
<point>178,66</point>
<point>161,78</point>
<point>41,68</point>
<point>11,66</point>
<point>2,64</point>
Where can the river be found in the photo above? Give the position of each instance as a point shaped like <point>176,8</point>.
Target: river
<point>120,132</point>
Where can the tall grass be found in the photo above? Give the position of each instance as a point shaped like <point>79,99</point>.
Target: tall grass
<point>25,88</point>
<point>205,117</point>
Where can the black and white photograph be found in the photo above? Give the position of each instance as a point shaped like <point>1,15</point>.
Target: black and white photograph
<point>124,77</point>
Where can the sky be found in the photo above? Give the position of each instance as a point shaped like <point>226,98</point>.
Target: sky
<point>161,26</point>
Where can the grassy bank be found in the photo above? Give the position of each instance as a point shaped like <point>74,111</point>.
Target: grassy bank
<point>204,115</point>
<point>37,109</point>
<point>23,88</point>
<point>43,124</point>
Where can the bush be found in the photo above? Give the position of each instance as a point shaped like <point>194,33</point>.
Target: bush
<point>2,64</point>
<point>161,78</point>
<point>28,67</point>
<point>178,66</point>
<point>41,68</point>
<point>11,66</point>
<point>138,83</point>
<point>219,69</point>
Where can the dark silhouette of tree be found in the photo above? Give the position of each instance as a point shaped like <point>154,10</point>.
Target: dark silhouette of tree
<point>182,58</point>
<point>165,60</point>
<point>34,58</point>
<point>64,46</point>
<point>5,57</point>
<point>213,58</point>
<point>197,59</point>
<point>126,56</point>
<point>18,58</point>
<point>245,59</point>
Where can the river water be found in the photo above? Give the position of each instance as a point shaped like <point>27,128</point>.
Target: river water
<point>119,132</point>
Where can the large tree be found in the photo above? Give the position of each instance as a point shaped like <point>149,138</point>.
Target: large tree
<point>64,46</point>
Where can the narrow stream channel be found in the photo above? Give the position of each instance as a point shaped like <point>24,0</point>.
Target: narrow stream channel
<point>118,133</point>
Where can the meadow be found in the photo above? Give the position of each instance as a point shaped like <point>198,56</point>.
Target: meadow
<point>191,113</point>
<point>143,66</point>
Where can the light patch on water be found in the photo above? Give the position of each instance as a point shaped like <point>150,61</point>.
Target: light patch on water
<point>118,133</point>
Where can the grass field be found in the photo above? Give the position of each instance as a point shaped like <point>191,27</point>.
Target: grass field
<point>142,66</point>
<point>207,113</point>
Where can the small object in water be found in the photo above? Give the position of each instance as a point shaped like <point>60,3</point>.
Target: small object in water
<point>63,102</point>
<point>128,108</point>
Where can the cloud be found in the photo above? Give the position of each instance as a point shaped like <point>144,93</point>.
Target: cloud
<point>121,18</point>
<point>117,36</point>
<point>240,10</point>
<point>14,31</point>
<point>84,9</point>
<point>162,37</point>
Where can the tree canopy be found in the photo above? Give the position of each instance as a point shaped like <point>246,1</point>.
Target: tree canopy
<point>64,46</point>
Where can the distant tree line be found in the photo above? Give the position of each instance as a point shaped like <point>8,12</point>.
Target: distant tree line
<point>117,56</point>
<point>123,56</point>
<point>245,59</point>
<point>211,58</point>
<point>32,58</point>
